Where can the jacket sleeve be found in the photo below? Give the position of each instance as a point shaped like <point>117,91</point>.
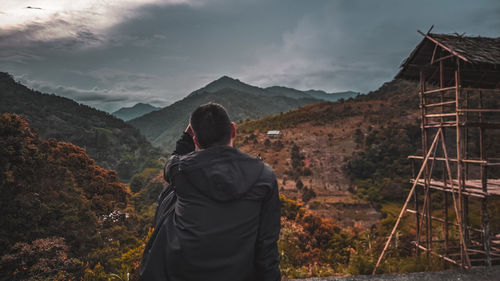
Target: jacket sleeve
<point>183,146</point>
<point>266,258</point>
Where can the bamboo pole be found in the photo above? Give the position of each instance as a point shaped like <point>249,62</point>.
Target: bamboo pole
<point>405,204</point>
<point>470,191</point>
<point>459,218</point>
<point>452,159</point>
<point>443,221</point>
<point>465,176</point>
<point>438,115</point>
<point>427,183</point>
<point>440,90</point>
<point>423,111</point>
<point>425,207</point>
<point>417,219</point>
<point>442,103</point>
<point>484,183</point>
<point>436,254</point>
<point>458,142</point>
<point>445,224</point>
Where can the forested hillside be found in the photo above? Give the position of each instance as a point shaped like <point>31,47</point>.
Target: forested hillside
<point>63,217</point>
<point>162,127</point>
<point>326,149</point>
<point>110,141</point>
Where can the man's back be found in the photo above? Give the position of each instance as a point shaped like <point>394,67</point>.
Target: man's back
<point>217,219</point>
<point>220,217</point>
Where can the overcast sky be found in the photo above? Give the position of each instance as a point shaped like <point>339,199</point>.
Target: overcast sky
<point>110,54</point>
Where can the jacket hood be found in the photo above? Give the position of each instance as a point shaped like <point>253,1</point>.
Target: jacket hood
<point>222,173</point>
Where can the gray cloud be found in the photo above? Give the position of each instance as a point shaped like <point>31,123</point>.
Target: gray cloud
<point>122,94</point>
<point>160,52</point>
<point>359,44</point>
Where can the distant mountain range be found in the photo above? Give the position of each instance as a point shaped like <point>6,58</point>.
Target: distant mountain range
<point>226,82</point>
<point>243,101</point>
<point>113,143</point>
<point>128,113</point>
<point>315,94</point>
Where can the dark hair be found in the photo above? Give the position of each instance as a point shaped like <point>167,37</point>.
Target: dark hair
<point>211,125</point>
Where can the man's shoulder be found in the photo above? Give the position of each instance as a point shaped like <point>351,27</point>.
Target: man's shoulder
<point>267,170</point>
<point>267,175</point>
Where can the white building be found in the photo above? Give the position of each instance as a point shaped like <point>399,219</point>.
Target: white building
<point>273,134</point>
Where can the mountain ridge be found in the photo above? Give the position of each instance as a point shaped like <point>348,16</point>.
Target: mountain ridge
<point>137,110</point>
<point>228,82</point>
<point>243,101</point>
<point>113,143</point>
<point>164,126</point>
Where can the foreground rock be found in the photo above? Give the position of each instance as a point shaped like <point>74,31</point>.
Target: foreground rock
<point>475,274</point>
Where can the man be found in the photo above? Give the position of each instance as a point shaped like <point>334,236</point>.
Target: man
<point>220,217</point>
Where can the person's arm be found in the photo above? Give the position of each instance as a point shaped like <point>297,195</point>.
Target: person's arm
<point>183,146</point>
<point>266,258</point>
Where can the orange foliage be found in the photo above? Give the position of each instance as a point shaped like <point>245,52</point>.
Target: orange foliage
<point>52,188</point>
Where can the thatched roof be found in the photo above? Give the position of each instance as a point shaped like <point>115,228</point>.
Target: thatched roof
<point>479,56</point>
<point>473,49</point>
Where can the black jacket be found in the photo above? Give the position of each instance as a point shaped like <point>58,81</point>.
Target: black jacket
<point>218,220</point>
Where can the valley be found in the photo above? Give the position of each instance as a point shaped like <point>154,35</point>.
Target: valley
<point>113,143</point>
<point>341,169</point>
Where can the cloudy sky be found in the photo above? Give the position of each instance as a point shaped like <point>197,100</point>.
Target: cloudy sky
<point>113,53</point>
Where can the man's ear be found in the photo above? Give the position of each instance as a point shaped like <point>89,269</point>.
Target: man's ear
<point>233,134</point>
<point>196,144</point>
<point>233,130</point>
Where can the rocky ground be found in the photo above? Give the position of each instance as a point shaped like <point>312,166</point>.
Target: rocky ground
<point>475,274</point>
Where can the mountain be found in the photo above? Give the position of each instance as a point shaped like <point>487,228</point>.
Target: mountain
<point>128,113</point>
<point>243,101</point>
<point>332,96</point>
<point>226,82</point>
<point>164,126</point>
<point>113,143</point>
<point>315,94</point>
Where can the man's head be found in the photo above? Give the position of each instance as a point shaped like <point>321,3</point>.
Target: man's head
<point>211,126</point>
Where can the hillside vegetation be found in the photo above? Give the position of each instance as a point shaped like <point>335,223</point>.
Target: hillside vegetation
<point>326,148</point>
<point>78,222</point>
<point>110,141</point>
<point>63,217</point>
